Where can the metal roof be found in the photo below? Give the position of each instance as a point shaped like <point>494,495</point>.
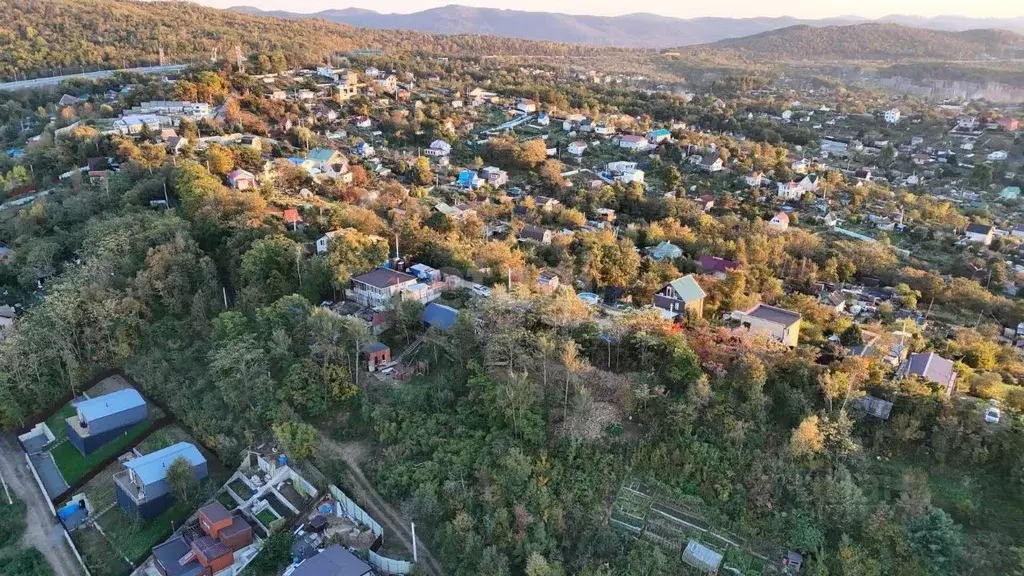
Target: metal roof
<point>687,289</point>
<point>384,277</point>
<point>153,467</point>
<point>113,403</point>
<point>931,366</point>
<point>439,315</point>
<point>333,561</point>
<point>773,314</point>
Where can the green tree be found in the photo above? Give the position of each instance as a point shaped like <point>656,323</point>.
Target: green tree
<point>297,439</point>
<point>937,542</point>
<point>181,479</point>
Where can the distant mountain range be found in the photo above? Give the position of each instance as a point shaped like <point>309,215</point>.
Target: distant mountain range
<point>870,41</point>
<point>632,30</point>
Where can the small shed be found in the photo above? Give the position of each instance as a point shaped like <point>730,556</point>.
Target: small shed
<point>702,558</point>
<point>377,354</point>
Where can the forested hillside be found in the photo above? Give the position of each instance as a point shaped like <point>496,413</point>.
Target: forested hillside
<point>867,42</point>
<point>38,36</point>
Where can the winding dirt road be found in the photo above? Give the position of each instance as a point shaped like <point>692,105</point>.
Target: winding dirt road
<point>43,532</point>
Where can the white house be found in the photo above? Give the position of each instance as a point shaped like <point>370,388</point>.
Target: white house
<point>790,190</point>
<point>633,143</point>
<point>979,233</point>
<point>323,243</point>
<point>711,163</point>
<point>572,122</point>
<point>809,183</point>
<point>754,179</point>
<point>577,148</point>
<point>779,222</point>
<point>998,155</point>
<point>438,148</point>
<point>604,129</point>
<point>526,105</point>
<point>783,325</point>
<point>625,172</point>
<point>543,119</point>
<point>892,116</point>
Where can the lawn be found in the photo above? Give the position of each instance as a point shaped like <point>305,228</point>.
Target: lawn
<point>56,422</point>
<point>134,537</point>
<point>162,438</point>
<point>99,556</point>
<point>266,517</point>
<point>73,466</point>
<point>226,499</point>
<point>240,488</point>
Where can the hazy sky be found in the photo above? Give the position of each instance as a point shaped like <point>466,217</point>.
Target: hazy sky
<point>735,8</point>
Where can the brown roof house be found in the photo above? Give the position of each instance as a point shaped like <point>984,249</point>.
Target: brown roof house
<point>378,287</point>
<point>535,234</point>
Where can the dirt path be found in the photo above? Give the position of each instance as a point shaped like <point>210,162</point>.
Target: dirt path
<point>395,527</point>
<point>43,531</point>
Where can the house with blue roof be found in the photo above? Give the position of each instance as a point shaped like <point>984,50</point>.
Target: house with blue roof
<point>665,251</point>
<point>142,488</point>
<point>657,136</point>
<point>439,316</point>
<point>469,179</point>
<point>543,119</point>
<point>1010,193</point>
<point>364,150</point>
<point>101,419</point>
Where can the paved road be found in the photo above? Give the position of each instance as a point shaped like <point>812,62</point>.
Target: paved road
<point>43,531</point>
<point>55,80</point>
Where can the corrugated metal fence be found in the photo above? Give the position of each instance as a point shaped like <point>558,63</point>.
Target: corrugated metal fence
<point>348,508</point>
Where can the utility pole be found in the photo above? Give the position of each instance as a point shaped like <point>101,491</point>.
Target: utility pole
<point>415,555</point>
<point>224,291</point>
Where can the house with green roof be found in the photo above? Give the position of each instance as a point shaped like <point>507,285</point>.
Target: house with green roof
<point>682,296</point>
<point>1010,193</point>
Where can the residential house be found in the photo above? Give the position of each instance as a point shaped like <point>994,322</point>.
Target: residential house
<point>632,143</point>
<point>388,84</point>
<point>459,212</point>
<point>997,156</point>
<point>717,267</point>
<point>892,116</point>
<point>212,545</point>
<point>98,420</point>
<point>809,183</point>
<point>526,106</point>
<point>706,202</point>
<point>625,172</point>
<point>439,316</point>
<point>604,129</point>
<point>329,163</point>
<point>573,122</point>
<point>424,273</point>
<point>535,234</point>
<point>682,296</point>
<point>495,176</point>
<point>176,144</point>
<point>665,250</point>
<point>754,179</point>
<point>379,287</point>
<point>365,150</point>
<point>142,488</point>
<point>862,175</point>
<point>548,281</point>
<point>545,203</point>
<point>1010,193</point>
<point>658,136</point>
<point>779,222</point>
<point>543,119</point>
<point>241,179</point>
<point>331,561</point>
<point>361,122</point>
<point>790,190</point>
<point>931,367</point>
<point>577,148</point>
<point>711,163</point>
<point>783,325</point>
<point>438,148</point>
<point>469,179</point>
<point>979,233</point>
<point>323,243</point>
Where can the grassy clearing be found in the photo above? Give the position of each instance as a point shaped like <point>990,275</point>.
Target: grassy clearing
<point>134,536</point>
<point>226,499</point>
<point>56,422</point>
<point>266,517</point>
<point>99,556</point>
<point>240,488</point>
<point>73,466</point>
<point>162,438</point>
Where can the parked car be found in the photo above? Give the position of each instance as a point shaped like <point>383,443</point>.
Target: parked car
<point>480,290</point>
<point>992,415</point>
